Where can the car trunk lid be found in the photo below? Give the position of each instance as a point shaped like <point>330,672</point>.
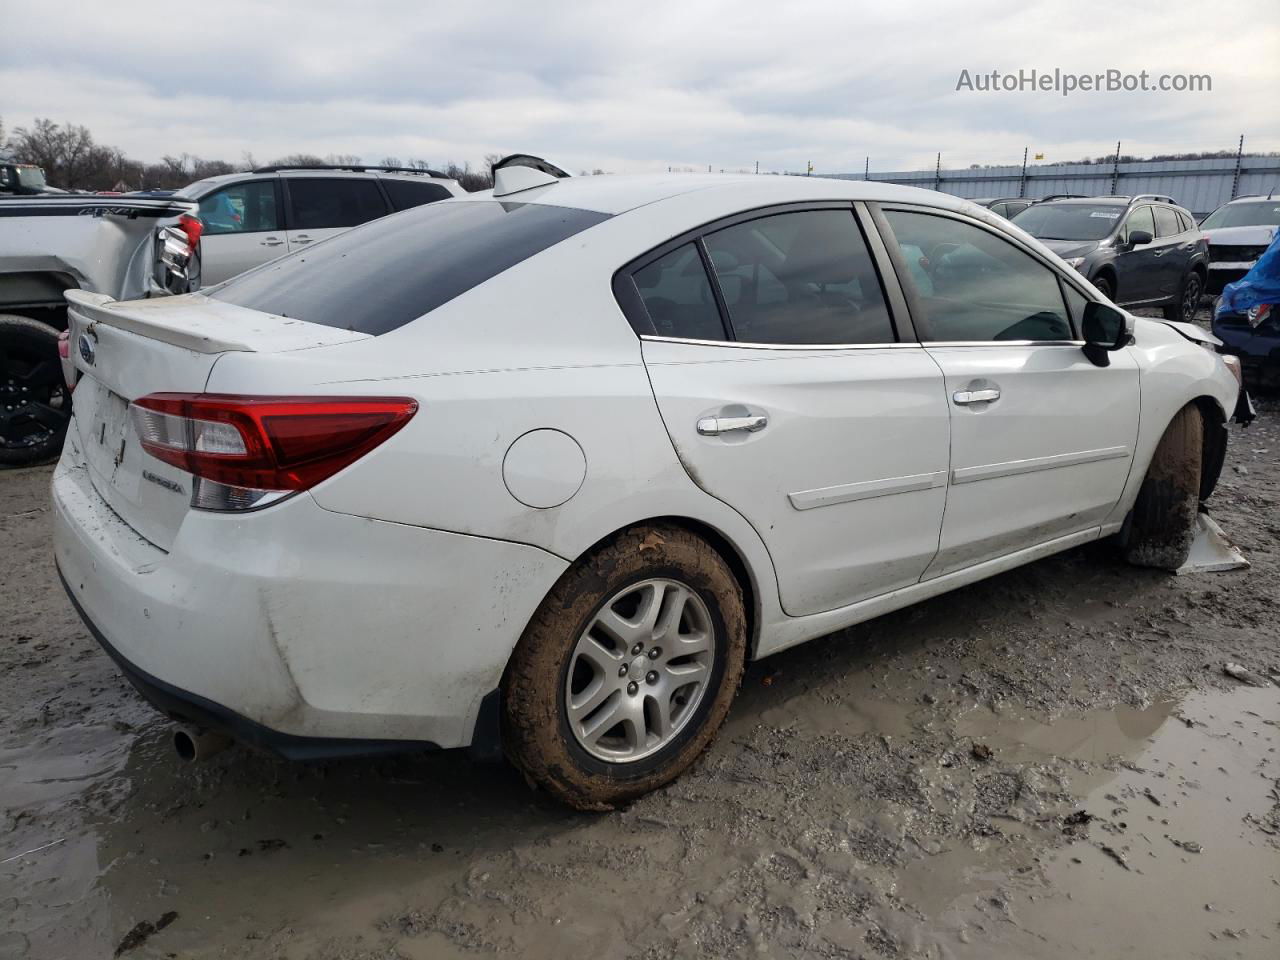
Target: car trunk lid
<point>124,351</point>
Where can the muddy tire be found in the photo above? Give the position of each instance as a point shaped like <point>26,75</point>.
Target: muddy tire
<point>1162,525</point>
<point>626,670</point>
<point>35,405</point>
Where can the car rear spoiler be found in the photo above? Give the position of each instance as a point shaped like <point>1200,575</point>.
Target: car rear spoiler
<point>202,325</point>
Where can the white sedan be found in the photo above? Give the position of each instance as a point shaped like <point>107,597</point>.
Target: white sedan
<point>539,469</point>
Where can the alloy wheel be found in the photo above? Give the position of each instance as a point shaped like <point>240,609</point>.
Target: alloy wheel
<point>1191,298</point>
<point>639,671</point>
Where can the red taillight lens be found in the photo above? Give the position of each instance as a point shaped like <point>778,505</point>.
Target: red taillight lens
<point>193,228</point>
<point>265,443</point>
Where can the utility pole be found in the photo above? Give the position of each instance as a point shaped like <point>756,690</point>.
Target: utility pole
<point>1022,184</point>
<point>1115,170</point>
<point>866,169</point>
<point>937,173</point>
<point>1235,180</point>
<point>757,167</point>
<point>708,168</point>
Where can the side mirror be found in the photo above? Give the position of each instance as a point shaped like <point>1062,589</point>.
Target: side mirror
<point>1105,329</point>
<point>1139,238</point>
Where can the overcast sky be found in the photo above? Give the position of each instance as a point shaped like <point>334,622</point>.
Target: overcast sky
<point>632,87</point>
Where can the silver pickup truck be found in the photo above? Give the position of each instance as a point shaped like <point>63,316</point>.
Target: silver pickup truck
<point>125,247</point>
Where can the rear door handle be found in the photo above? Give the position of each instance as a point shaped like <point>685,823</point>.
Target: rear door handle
<point>271,242</point>
<point>301,238</point>
<point>963,397</point>
<point>714,426</point>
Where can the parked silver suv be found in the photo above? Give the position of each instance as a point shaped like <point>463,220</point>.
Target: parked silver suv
<point>250,218</point>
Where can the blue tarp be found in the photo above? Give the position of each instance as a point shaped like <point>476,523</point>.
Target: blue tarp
<point>1260,285</point>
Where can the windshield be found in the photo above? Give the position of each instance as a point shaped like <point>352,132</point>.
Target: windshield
<point>1070,221</point>
<point>1263,213</point>
<point>31,177</point>
<point>379,276</point>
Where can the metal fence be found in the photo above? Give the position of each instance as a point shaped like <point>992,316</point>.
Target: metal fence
<point>1199,185</point>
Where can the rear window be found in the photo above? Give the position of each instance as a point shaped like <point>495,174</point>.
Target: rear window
<point>380,276</point>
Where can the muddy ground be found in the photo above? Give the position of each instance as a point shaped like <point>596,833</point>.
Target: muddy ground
<point>1048,764</point>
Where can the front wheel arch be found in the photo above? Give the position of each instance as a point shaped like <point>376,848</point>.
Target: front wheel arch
<point>1214,419</point>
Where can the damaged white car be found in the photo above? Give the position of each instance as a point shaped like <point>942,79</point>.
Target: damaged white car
<point>542,468</point>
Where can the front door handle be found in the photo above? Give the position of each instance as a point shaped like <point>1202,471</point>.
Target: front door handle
<point>271,242</point>
<point>963,397</point>
<point>714,426</point>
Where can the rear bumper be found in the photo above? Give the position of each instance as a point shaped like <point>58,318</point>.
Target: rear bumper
<point>187,707</point>
<point>304,631</point>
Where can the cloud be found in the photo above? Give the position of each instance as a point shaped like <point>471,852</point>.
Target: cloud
<point>638,87</point>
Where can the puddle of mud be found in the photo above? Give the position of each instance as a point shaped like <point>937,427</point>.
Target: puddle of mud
<point>1177,791</point>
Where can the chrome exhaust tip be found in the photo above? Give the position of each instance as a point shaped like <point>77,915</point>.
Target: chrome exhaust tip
<point>195,744</point>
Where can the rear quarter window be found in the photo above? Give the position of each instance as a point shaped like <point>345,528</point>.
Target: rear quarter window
<point>381,275</point>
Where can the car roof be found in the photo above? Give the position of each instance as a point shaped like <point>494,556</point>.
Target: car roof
<point>1114,201</point>
<point>618,193</point>
<point>209,183</point>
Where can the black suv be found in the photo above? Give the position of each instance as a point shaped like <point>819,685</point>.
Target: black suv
<point>1143,251</point>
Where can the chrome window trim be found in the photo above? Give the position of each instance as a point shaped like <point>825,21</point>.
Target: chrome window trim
<point>1002,343</point>
<point>656,338</point>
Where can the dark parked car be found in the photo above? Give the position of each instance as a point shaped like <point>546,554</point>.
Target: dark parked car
<point>1142,251</point>
<point>1254,337</point>
<point>1246,318</point>
<point>1007,207</point>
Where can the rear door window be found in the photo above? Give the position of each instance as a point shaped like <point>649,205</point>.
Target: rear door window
<point>386,273</point>
<point>409,193</point>
<point>800,278</point>
<point>1167,224</point>
<point>319,203</point>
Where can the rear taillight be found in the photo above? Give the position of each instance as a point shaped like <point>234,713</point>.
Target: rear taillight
<point>192,227</point>
<point>249,451</point>
<point>64,353</point>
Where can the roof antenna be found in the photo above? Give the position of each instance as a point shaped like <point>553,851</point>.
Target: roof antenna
<point>523,171</point>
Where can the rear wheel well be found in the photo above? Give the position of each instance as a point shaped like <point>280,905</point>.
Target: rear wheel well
<point>723,546</point>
